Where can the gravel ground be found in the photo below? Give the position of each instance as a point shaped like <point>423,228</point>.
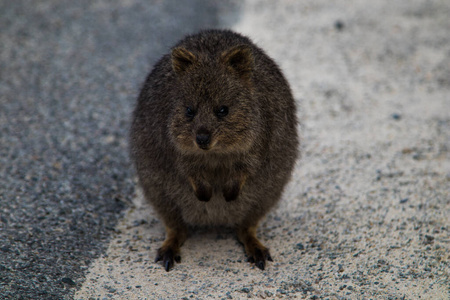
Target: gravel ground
<point>367,213</point>
<point>365,216</point>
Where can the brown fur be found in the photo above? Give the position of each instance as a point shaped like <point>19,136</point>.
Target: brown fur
<point>214,138</point>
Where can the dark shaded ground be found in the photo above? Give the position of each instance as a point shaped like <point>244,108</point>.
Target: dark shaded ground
<point>70,72</point>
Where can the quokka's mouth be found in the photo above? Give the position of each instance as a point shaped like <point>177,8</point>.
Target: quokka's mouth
<point>207,147</point>
<point>203,147</point>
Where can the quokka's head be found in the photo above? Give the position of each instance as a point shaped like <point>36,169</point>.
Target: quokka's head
<point>215,111</point>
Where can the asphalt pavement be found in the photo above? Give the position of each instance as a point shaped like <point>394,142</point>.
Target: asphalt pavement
<point>70,72</point>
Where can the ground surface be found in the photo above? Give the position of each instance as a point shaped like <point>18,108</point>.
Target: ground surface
<point>365,216</point>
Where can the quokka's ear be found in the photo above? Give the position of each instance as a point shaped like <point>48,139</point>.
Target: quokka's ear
<point>182,60</point>
<point>240,60</point>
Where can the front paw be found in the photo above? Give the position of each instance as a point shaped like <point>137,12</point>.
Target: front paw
<point>231,191</point>
<point>202,190</point>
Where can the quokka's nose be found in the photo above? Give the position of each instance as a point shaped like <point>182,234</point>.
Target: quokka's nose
<point>203,138</point>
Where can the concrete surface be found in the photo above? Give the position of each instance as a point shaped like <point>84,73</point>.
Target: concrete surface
<point>366,215</point>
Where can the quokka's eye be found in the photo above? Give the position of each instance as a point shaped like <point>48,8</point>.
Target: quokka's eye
<point>222,111</point>
<point>190,113</point>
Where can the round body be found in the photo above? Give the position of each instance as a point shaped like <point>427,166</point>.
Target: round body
<point>213,136</point>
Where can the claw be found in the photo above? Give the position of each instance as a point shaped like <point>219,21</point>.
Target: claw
<point>168,258</point>
<point>260,264</point>
<point>259,258</point>
<point>167,265</point>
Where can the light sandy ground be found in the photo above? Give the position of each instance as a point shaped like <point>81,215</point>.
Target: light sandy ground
<point>367,212</point>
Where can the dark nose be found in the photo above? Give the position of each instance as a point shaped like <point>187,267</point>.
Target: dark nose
<point>203,138</point>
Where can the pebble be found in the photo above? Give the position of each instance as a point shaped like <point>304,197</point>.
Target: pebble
<point>404,200</point>
<point>396,116</point>
<point>339,25</point>
<point>300,246</point>
<point>429,240</point>
<point>68,281</point>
